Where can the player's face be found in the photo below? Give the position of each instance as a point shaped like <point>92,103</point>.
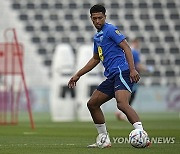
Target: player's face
<point>98,19</point>
<point>136,44</point>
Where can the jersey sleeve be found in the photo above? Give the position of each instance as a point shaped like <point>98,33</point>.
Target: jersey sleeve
<point>115,35</point>
<point>95,48</point>
<point>136,57</point>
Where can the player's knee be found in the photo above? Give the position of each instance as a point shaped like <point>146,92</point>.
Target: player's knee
<point>122,106</point>
<point>91,104</point>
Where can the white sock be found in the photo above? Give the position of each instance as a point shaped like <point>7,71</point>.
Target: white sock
<point>138,125</point>
<point>101,128</point>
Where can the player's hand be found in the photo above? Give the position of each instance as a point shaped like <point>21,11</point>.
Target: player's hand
<point>134,76</point>
<point>72,81</point>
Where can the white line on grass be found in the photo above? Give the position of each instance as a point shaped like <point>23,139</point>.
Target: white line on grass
<point>20,145</point>
<point>29,133</point>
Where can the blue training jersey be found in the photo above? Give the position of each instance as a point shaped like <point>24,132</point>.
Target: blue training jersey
<point>106,45</point>
<point>136,57</point>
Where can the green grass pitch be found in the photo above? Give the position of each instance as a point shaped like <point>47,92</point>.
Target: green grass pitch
<point>73,137</point>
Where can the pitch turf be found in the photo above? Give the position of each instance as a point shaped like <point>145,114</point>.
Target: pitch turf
<point>73,137</point>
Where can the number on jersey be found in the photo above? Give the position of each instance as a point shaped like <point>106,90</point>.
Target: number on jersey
<point>100,52</point>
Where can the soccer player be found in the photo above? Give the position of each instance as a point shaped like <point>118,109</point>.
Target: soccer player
<point>112,49</point>
<point>135,46</point>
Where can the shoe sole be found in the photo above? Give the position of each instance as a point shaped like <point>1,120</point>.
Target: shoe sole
<point>108,146</point>
<point>148,144</point>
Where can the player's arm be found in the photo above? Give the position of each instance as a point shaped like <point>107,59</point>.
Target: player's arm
<point>141,68</point>
<point>127,50</point>
<point>88,67</point>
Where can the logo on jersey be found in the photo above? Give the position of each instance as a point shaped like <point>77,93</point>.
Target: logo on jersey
<point>118,32</point>
<point>101,38</point>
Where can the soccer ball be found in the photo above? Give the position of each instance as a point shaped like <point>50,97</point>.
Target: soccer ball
<point>138,138</point>
<point>103,141</point>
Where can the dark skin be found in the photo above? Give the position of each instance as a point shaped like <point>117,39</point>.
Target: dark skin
<point>98,98</point>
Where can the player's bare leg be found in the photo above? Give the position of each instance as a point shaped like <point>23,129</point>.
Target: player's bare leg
<point>119,114</point>
<point>122,98</point>
<point>97,99</point>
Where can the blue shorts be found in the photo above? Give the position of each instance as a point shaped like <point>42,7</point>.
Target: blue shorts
<point>120,81</point>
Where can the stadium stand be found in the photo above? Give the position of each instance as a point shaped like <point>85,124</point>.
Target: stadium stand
<point>155,22</point>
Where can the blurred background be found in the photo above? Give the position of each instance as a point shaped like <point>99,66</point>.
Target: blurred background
<point>46,27</point>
